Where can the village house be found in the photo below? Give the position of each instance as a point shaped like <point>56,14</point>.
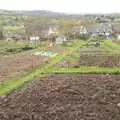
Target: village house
<point>76,32</point>
<point>116,30</point>
<point>118,37</point>
<point>95,30</point>
<point>49,33</point>
<point>34,39</point>
<point>52,30</point>
<point>104,29</point>
<point>103,19</point>
<point>44,32</point>
<point>60,40</point>
<point>80,30</point>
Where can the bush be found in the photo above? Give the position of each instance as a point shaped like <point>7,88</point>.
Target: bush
<point>27,47</point>
<point>16,50</point>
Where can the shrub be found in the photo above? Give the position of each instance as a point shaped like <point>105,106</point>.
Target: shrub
<point>27,47</point>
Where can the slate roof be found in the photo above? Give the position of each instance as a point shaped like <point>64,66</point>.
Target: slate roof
<point>99,28</point>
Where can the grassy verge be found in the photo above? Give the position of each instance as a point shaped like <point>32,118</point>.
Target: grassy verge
<point>87,70</point>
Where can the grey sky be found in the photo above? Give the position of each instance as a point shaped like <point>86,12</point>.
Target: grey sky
<point>68,6</point>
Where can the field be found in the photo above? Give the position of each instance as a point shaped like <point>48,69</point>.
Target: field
<point>92,56</point>
<point>80,83</point>
<point>12,67</point>
<point>65,97</point>
<point>18,64</point>
<point>16,60</point>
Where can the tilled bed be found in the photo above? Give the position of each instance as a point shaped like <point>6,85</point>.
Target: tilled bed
<point>100,60</point>
<point>12,67</point>
<point>65,97</point>
<point>97,57</point>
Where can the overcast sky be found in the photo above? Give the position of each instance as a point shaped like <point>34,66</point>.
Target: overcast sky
<point>67,6</point>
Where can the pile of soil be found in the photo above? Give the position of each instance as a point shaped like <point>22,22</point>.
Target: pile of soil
<point>65,97</point>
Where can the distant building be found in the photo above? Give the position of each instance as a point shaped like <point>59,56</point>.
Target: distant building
<point>52,30</point>
<point>118,37</point>
<point>34,39</point>
<point>101,30</point>
<point>109,35</point>
<point>83,30</point>
<point>60,40</point>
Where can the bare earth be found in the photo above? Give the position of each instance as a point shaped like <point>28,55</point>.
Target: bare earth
<point>15,66</point>
<point>12,67</point>
<point>65,97</point>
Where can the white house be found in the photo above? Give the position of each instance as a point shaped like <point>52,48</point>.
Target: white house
<point>60,40</point>
<point>34,39</point>
<point>118,37</point>
<point>52,30</point>
<point>83,30</point>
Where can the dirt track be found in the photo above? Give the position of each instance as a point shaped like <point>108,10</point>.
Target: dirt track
<point>65,97</point>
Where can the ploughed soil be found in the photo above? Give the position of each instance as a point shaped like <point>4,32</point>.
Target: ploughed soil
<point>97,57</point>
<point>65,97</point>
<point>100,60</point>
<point>15,66</point>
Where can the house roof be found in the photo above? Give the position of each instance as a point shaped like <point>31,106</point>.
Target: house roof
<point>99,28</point>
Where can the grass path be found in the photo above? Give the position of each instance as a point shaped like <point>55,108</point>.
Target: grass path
<point>87,70</point>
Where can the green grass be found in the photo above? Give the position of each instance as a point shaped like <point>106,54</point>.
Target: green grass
<point>87,70</point>
<point>111,47</point>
